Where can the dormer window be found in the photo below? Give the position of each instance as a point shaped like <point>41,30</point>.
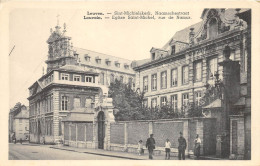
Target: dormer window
<point>98,60</point>
<point>64,76</point>
<point>117,64</point>
<point>126,66</point>
<point>89,79</point>
<point>213,28</point>
<point>76,78</point>
<point>108,62</point>
<point>153,56</point>
<point>173,50</point>
<point>87,57</point>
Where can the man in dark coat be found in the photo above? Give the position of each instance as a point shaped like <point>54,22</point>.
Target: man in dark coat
<point>182,147</point>
<point>150,145</point>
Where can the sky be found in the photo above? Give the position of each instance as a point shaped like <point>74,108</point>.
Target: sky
<point>29,30</point>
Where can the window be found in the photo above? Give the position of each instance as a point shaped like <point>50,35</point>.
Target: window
<point>76,78</point>
<point>98,60</point>
<point>60,128</point>
<point>153,56</point>
<point>163,101</point>
<point>145,83</point>
<point>51,99</point>
<point>89,79</point>
<point>198,71</point>
<point>164,80</point>
<point>154,102</point>
<point>173,50</point>
<point>88,102</point>
<point>117,64</point>
<point>122,79</point>
<point>126,66</point>
<point>101,78</point>
<point>64,103</point>
<point>112,78</point>
<point>130,81</point>
<point>197,98</point>
<point>185,75</point>
<point>185,99</point>
<point>108,62</point>
<point>174,77</point>
<point>174,102</point>
<point>154,81</point>
<point>145,104</point>
<point>64,76</point>
<point>87,58</point>
<point>20,120</point>
<point>76,103</point>
<point>213,28</point>
<point>213,67</point>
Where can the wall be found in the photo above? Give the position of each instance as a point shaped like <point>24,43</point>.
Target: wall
<point>78,134</point>
<point>125,135</point>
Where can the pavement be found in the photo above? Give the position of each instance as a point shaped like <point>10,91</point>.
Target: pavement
<point>116,154</point>
<point>113,154</point>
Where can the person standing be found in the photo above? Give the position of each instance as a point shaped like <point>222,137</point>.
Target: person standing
<point>150,145</point>
<point>167,149</point>
<point>197,142</point>
<point>140,148</point>
<point>181,147</point>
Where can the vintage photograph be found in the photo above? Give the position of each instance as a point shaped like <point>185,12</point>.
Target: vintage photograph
<point>129,82</point>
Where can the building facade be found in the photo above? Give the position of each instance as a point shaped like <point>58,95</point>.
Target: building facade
<point>197,57</point>
<point>19,124</point>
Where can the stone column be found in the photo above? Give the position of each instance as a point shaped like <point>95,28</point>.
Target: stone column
<point>55,116</point>
<point>186,134</point>
<point>199,129</point>
<point>126,136</point>
<point>76,134</point>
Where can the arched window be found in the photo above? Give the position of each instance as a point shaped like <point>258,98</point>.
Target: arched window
<point>213,28</point>
<point>122,79</point>
<point>112,78</point>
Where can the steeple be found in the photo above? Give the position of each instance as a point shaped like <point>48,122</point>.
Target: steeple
<point>61,50</point>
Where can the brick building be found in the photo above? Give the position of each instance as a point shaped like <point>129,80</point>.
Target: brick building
<point>179,73</point>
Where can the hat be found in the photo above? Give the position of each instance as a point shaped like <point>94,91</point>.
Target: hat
<point>180,132</point>
<point>151,134</point>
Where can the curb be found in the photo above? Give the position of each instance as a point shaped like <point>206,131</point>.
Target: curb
<point>131,158</point>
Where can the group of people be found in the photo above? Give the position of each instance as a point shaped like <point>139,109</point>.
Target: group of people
<point>150,145</point>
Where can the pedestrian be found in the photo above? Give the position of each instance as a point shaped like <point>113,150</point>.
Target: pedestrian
<point>140,148</point>
<point>21,141</point>
<point>167,149</point>
<point>182,147</point>
<point>197,142</point>
<point>150,145</point>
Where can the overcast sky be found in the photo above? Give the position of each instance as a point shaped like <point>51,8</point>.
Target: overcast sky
<point>30,29</point>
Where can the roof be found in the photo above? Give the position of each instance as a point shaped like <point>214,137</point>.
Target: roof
<point>79,117</point>
<point>215,104</point>
<point>183,35</point>
<point>75,68</point>
<point>82,53</point>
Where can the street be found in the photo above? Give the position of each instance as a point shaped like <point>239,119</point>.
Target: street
<point>44,152</point>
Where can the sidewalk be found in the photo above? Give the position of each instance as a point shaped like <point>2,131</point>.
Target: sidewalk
<point>124,155</point>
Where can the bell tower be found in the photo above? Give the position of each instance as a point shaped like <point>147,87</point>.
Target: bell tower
<point>60,48</point>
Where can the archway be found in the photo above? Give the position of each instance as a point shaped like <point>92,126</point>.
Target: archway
<point>101,129</point>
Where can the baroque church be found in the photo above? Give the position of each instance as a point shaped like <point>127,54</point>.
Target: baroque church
<point>212,56</point>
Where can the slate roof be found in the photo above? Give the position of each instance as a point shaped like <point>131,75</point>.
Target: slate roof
<point>103,57</point>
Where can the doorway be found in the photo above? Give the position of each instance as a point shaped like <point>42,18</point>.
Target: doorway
<point>101,129</point>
